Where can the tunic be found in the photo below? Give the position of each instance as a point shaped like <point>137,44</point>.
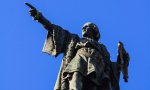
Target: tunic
<point>83,55</point>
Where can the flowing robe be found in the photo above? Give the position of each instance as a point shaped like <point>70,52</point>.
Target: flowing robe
<point>61,41</point>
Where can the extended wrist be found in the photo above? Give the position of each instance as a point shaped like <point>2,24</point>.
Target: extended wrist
<point>38,16</point>
<point>43,20</point>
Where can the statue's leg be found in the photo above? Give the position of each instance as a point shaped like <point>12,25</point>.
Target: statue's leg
<point>88,84</point>
<point>76,81</point>
<point>65,84</point>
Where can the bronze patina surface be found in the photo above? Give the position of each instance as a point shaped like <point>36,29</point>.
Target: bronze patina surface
<point>86,64</point>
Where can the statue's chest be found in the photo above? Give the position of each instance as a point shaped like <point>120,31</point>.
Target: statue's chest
<point>88,43</point>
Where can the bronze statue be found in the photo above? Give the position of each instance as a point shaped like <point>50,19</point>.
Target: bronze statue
<point>86,64</point>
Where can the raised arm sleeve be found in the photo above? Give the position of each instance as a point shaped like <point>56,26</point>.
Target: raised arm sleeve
<point>56,41</point>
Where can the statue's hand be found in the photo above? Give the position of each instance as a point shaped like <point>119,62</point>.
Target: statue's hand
<point>33,11</point>
<point>35,14</point>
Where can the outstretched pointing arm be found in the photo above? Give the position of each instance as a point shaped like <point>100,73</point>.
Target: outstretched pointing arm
<point>39,17</point>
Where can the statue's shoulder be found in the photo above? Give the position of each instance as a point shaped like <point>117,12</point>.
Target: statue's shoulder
<point>101,44</point>
<point>103,47</point>
<point>75,35</point>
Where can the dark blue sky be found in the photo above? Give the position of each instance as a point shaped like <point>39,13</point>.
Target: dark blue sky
<point>23,66</point>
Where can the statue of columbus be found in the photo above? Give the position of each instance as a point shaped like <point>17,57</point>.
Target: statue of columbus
<point>86,63</point>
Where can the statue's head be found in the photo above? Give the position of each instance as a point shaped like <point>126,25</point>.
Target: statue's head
<point>90,30</point>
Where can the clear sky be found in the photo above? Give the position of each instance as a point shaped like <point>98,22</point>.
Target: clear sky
<point>23,66</point>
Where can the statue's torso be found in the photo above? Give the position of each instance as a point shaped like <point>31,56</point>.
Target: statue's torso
<point>87,58</point>
<point>89,47</point>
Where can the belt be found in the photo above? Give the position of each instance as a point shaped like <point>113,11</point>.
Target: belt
<point>89,52</point>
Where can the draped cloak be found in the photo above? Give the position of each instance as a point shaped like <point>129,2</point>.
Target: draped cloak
<point>61,41</point>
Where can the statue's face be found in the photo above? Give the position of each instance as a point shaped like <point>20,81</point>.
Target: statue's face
<point>87,31</point>
<point>90,30</point>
